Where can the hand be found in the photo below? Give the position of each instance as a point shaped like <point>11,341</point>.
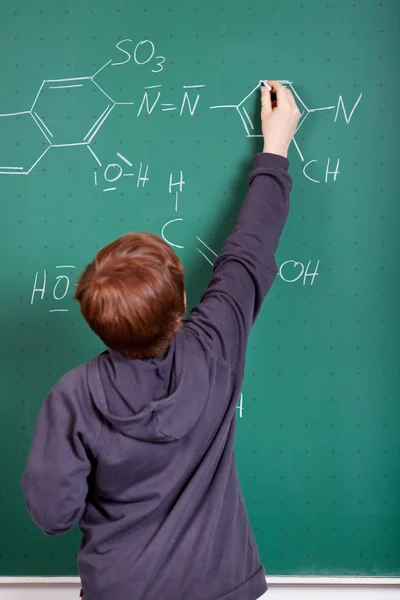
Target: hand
<point>279,118</point>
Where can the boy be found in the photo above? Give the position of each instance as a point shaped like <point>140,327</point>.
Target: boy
<point>137,445</point>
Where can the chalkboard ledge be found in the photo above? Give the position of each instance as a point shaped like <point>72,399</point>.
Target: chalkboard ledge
<point>272,581</point>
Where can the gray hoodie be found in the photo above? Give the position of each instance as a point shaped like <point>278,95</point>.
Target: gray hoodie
<point>141,452</point>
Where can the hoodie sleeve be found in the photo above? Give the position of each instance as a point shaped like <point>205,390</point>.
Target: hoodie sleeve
<point>245,269</point>
<point>55,482</point>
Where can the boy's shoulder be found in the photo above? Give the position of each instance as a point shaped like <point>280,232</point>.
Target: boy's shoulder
<point>79,375</point>
<point>73,379</point>
<point>73,387</point>
<point>71,394</point>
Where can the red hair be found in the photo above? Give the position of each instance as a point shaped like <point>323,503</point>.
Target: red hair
<point>133,295</point>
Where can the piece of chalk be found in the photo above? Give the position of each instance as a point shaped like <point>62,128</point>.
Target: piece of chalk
<point>269,88</point>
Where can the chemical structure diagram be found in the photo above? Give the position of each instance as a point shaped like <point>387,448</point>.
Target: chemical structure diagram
<point>47,124</point>
<point>248,124</point>
<point>55,134</point>
<point>253,131</point>
<point>57,129</point>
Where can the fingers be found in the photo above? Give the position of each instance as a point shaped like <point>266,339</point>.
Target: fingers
<point>280,91</point>
<point>284,95</point>
<point>291,97</point>
<point>266,103</point>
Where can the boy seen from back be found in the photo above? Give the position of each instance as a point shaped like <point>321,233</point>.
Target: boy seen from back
<point>137,445</point>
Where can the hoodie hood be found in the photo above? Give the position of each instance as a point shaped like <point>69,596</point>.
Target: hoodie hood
<point>155,400</point>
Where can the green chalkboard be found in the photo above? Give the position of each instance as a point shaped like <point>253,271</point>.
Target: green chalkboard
<point>134,115</point>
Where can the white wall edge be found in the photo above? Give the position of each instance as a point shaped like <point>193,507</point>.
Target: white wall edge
<point>273,581</point>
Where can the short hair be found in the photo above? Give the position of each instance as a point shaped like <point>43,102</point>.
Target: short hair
<point>133,295</point>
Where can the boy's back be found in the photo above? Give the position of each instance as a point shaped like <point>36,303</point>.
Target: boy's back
<point>165,517</point>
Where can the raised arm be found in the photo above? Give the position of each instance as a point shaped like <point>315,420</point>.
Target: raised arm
<point>245,269</point>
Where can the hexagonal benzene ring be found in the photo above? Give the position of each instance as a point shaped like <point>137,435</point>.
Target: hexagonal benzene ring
<point>23,144</point>
<point>71,111</point>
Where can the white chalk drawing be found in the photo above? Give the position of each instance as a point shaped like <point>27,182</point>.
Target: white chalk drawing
<point>204,254</point>
<point>151,99</point>
<point>60,288</point>
<point>144,53</point>
<point>252,132</point>
<point>53,86</point>
<point>334,173</point>
<point>114,171</point>
<point>141,48</point>
<point>179,183</point>
<point>240,406</point>
<point>75,86</point>
<point>289,271</point>
<point>299,272</point>
<point>204,248</point>
<point>163,235</point>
